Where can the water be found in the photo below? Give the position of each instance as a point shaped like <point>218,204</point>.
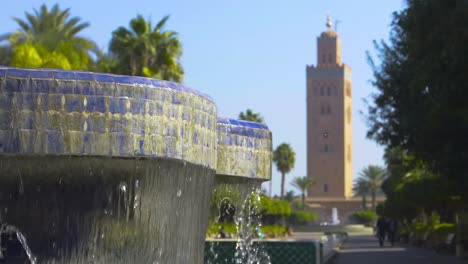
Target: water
<point>335,220</point>
<point>243,215</point>
<point>106,210</point>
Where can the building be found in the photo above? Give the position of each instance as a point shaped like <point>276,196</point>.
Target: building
<point>329,121</point>
<point>329,128</point>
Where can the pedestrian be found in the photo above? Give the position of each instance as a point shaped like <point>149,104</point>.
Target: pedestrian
<point>381,229</point>
<point>391,230</point>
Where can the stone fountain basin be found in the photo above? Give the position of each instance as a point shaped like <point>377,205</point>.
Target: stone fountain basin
<point>105,169</point>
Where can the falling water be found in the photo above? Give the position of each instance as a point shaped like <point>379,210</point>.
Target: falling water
<point>22,240</point>
<point>243,195</point>
<point>128,211</point>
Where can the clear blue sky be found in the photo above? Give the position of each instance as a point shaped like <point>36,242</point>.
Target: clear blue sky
<point>252,54</point>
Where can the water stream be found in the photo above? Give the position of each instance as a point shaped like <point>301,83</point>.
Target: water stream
<point>106,210</point>
<point>235,203</point>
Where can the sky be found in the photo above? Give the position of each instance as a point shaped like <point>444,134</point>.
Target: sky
<point>252,54</point>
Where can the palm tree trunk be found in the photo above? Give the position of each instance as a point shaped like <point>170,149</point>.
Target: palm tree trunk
<point>303,200</point>
<point>373,201</point>
<point>282,185</point>
<point>271,184</point>
<point>364,202</point>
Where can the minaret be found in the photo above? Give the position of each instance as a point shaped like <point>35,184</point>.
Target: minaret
<point>329,120</point>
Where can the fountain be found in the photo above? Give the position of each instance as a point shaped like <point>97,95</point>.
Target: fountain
<point>244,162</point>
<point>335,220</point>
<point>99,168</point>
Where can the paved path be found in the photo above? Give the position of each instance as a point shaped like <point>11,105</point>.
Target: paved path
<point>365,249</point>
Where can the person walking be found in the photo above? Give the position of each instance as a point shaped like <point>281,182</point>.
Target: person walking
<point>391,230</point>
<point>381,229</point>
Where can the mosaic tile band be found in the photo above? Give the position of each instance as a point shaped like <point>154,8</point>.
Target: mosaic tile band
<point>55,112</point>
<point>244,149</point>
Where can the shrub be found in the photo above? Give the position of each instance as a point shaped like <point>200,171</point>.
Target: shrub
<point>273,230</point>
<point>365,217</point>
<point>302,217</point>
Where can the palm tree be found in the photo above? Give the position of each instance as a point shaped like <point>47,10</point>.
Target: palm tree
<point>144,50</point>
<point>373,176</point>
<point>249,115</point>
<point>284,157</point>
<point>302,184</point>
<point>361,188</point>
<point>49,38</point>
<point>50,28</point>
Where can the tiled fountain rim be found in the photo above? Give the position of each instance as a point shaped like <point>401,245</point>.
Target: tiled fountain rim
<point>39,73</point>
<point>58,112</point>
<point>244,149</point>
<point>236,122</point>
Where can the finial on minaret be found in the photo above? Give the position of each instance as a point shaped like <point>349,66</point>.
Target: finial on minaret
<point>329,22</point>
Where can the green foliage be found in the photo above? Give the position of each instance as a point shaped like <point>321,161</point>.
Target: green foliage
<point>407,185</point>
<point>144,50</point>
<point>249,115</point>
<point>64,57</point>
<point>213,229</point>
<point>289,196</point>
<point>361,188</point>
<point>302,184</point>
<point>302,217</point>
<point>420,100</point>
<point>284,158</point>
<point>365,217</point>
<point>48,39</point>
<point>372,176</point>
<point>273,230</point>
<point>274,207</point>
<point>5,55</point>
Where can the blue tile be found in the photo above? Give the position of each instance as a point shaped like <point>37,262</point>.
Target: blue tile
<point>96,125</point>
<point>64,75</point>
<point>85,76</point>
<point>96,104</point>
<point>117,105</point>
<point>41,86</point>
<point>104,78</point>
<point>122,79</point>
<point>14,72</point>
<point>73,104</point>
<point>11,85</point>
<point>9,142</point>
<point>42,74</point>
<point>54,142</point>
<point>138,107</point>
<point>3,72</point>
<point>6,121</point>
<point>26,101</point>
<point>6,101</point>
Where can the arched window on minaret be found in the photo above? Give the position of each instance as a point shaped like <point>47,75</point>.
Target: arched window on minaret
<point>328,90</point>
<point>321,91</point>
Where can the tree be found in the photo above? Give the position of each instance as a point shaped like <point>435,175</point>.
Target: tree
<point>5,55</point>
<point>302,184</point>
<point>144,50</point>
<point>373,177</point>
<point>284,158</point>
<point>249,115</point>
<point>289,196</point>
<point>49,38</point>
<point>361,188</point>
<point>420,101</point>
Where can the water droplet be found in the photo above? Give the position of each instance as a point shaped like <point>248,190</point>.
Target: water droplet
<point>179,193</point>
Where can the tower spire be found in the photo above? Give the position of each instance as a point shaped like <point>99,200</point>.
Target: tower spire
<point>329,23</point>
